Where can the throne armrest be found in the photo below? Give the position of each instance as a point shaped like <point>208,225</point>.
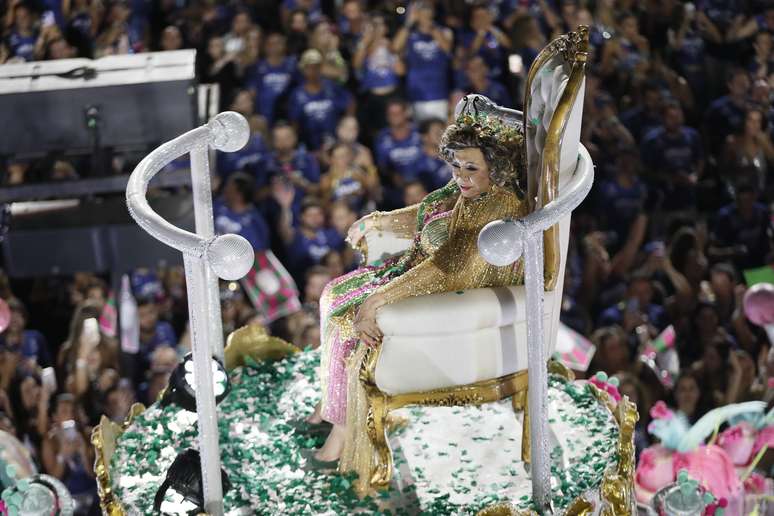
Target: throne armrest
<point>384,245</point>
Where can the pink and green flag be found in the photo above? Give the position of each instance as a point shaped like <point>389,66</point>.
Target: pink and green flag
<point>270,288</point>
<point>664,341</point>
<point>573,349</point>
<point>108,319</point>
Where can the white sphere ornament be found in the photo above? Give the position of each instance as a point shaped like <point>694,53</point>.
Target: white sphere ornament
<point>759,304</point>
<point>230,131</point>
<point>501,242</point>
<point>230,256</point>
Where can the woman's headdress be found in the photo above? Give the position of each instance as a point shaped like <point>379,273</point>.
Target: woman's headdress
<point>499,136</point>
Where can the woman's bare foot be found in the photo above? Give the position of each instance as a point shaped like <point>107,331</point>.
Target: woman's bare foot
<point>333,446</point>
<point>316,416</point>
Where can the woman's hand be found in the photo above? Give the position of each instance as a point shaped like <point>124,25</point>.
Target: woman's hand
<point>365,321</point>
<point>360,229</point>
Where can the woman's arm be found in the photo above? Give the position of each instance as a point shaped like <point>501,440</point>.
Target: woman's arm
<point>443,37</point>
<point>623,260</point>
<point>402,222</point>
<point>284,195</point>
<point>41,421</point>
<point>53,462</point>
<point>457,264</point>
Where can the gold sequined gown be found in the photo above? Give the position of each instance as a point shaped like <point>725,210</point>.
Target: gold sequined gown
<point>443,257</point>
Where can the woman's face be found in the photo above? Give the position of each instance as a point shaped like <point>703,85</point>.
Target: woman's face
<point>215,48</point>
<point>335,264</point>
<point>707,320</point>
<point>254,39</point>
<point>752,123</point>
<point>313,218</point>
<point>347,130</point>
<point>275,45</point>
<point>298,22</point>
<point>630,390</point>
<point>341,157</point>
<point>471,172</point>
<point>695,266</point>
<point>30,392</point>
<point>17,322</point>
<point>629,27</point>
<point>342,218</point>
<point>380,26</point>
<point>687,395</point>
<point>713,362</point>
<point>616,354</point>
<point>65,410</point>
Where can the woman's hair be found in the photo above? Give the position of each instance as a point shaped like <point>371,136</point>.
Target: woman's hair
<point>70,349</point>
<point>502,146</point>
<point>683,242</point>
<point>703,404</point>
<point>21,414</point>
<point>644,401</point>
<point>764,120</point>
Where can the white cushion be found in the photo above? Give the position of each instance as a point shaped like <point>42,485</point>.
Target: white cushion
<point>416,363</point>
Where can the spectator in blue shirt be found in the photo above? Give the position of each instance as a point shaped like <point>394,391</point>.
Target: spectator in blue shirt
<point>312,8</point>
<point>637,308</point>
<point>23,36</point>
<point>742,230</point>
<point>153,333</point>
<point>486,40</point>
<point>622,197</point>
<point>478,80</point>
<point>427,49</point>
<point>235,212</point>
<point>646,115</point>
<point>378,70</point>
<point>673,153</point>
<point>30,344</point>
<point>398,150</point>
<point>307,244</point>
<point>433,171</point>
<point>250,159</point>
<point>316,106</point>
<point>270,79</point>
<point>725,115</point>
<point>293,164</point>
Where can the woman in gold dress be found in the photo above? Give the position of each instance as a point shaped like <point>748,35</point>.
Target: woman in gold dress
<point>487,159</point>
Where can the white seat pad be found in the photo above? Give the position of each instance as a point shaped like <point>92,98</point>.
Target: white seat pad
<point>415,363</point>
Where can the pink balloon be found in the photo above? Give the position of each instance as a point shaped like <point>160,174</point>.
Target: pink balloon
<point>5,315</point>
<point>759,304</point>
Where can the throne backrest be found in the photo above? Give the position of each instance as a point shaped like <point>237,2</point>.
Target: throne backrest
<point>553,111</point>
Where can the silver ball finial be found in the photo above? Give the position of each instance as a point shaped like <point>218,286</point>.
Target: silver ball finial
<point>230,131</point>
<point>501,242</point>
<point>230,256</point>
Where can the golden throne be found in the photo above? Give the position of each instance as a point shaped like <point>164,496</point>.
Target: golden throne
<point>430,355</point>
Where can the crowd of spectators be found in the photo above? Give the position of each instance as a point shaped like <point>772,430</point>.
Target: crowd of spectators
<point>346,104</point>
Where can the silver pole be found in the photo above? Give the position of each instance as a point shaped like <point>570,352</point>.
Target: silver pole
<point>207,335</point>
<point>209,448</point>
<point>206,258</point>
<point>538,373</point>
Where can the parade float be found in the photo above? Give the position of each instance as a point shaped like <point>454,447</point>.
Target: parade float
<point>464,414</point>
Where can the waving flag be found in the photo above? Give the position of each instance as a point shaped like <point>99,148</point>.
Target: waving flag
<point>270,288</point>
<point>573,349</point>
